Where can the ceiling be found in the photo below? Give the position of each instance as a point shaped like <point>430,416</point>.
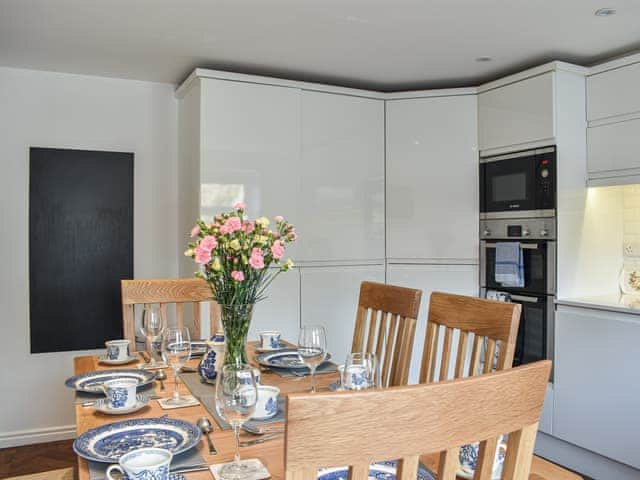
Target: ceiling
<point>377,44</point>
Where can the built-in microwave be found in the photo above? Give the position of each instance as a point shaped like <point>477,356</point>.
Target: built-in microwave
<point>521,184</point>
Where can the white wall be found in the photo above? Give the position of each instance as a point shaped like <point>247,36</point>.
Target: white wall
<point>73,111</point>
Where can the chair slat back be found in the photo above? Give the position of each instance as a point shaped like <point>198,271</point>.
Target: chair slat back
<point>481,326</point>
<point>386,317</point>
<point>405,422</point>
<point>178,291</point>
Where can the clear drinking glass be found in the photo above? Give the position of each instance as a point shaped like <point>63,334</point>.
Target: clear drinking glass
<point>312,348</point>
<point>152,328</point>
<point>236,397</point>
<point>176,350</point>
<point>361,371</point>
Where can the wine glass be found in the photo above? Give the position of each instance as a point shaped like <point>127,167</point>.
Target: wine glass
<point>236,397</point>
<point>360,371</point>
<point>312,348</point>
<point>176,350</point>
<point>152,328</point>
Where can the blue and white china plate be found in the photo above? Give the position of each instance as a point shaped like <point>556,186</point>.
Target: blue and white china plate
<point>106,361</point>
<point>172,476</point>
<point>91,382</point>
<point>377,471</point>
<point>288,358</point>
<point>102,405</point>
<point>469,476</point>
<point>109,442</point>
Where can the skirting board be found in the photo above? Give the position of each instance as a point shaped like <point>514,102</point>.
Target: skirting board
<point>39,435</point>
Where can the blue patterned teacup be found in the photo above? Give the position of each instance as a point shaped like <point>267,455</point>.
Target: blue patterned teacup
<point>267,404</point>
<point>144,463</point>
<point>117,350</point>
<point>121,393</point>
<point>468,457</point>
<point>270,340</point>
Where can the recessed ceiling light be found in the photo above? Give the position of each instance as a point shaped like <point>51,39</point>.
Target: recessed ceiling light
<point>605,12</point>
<point>483,59</point>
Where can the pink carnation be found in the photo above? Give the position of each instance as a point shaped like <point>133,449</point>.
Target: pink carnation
<point>240,206</point>
<point>202,255</point>
<point>237,276</point>
<point>278,218</point>
<point>195,231</point>
<point>209,242</point>
<point>248,227</point>
<point>231,225</point>
<point>257,259</point>
<point>277,249</point>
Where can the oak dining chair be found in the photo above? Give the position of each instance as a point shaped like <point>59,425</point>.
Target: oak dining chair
<point>386,317</point>
<point>178,291</point>
<point>405,422</point>
<point>488,324</point>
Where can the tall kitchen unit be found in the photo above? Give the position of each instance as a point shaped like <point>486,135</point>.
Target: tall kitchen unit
<point>311,153</point>
<point>432,197</point>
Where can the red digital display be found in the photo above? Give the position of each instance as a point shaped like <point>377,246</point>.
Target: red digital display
<point>545,162</point>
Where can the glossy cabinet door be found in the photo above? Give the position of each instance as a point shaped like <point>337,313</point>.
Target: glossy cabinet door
<point>432,179</point>
<point>614,92</point>
<point>250,141</point>
<point>517,113</point>
<point>330,298</point>
<point>281,309</point>
<point>341,197</point>
<point>613,148</point>
<point>597,384</point>
<point>460,279</point>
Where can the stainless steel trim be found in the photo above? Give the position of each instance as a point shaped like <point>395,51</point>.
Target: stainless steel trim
<point>524,246</point>
<point>552,270</point>
<point>524,298</point>
<point>523,153</point>
<point>510,215</point>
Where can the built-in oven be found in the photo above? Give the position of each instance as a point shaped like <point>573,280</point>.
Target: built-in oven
<point>522,183</point>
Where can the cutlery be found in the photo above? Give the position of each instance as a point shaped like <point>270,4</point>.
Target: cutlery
<point>247,427</point>
<point>188,370</point>
<point>205,427</point>
<point>191,468</point>
<point>263,439</point>
<point>161,376</point>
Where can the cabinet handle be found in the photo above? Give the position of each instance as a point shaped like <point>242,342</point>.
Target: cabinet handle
<point>523,298</point>
<point>525,246</point>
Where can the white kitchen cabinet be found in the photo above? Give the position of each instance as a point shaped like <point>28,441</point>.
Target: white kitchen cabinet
<point>281,309</point>
<point>597,382</point>
<point>613,148</point>
<point>460,279</point>
<point>613,92</point>
<point>341,200</point>
<point>432,179</point>
<point>330,298</point>
<point>517,113</point>
<point>250,149</point>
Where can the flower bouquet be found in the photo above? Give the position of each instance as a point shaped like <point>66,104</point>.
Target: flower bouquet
<point>235,254</point>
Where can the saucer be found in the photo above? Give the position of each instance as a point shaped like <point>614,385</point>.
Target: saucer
<point>172,476</point>
<point>106,361</point>
<point>281,346</point>
<point>103,406</point>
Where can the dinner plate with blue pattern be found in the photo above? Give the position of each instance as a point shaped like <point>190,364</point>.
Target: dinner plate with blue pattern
<point>289,358</point>
<point>377,471</point>
<point>109,442</point>
<point>92,382</point>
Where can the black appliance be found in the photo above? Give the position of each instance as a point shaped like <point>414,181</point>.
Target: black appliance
<point>522,183</point>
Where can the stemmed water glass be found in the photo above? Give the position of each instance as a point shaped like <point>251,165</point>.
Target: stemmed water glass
<point>236,397</point>
<point>312,348</point>
<point>176,350</point>
<point>152,328</point>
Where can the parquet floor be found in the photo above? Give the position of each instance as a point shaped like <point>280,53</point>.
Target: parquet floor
<point>37,458</point>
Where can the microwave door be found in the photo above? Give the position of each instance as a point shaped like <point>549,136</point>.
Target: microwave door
<point>509,184</point>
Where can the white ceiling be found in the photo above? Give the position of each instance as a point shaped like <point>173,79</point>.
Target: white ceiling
<point>378,44</point>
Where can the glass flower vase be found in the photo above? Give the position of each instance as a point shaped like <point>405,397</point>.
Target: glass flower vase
<point>236,319</point>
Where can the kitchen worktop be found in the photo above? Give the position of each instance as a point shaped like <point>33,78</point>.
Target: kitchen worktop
<point>614,302</point>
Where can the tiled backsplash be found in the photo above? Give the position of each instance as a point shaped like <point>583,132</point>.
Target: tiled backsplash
<point>631,221</point>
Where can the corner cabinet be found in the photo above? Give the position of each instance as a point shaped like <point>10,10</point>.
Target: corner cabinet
<point>522,112</point>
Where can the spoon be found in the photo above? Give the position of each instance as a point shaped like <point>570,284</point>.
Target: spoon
<point>205,427</point>
<point>161,376</point>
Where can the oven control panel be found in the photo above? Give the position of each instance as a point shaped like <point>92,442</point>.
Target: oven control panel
<point>518,228</point>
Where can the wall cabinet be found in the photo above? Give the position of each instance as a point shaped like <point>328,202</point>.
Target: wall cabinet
<point>517,113</point>
<point>329,297</point>
<point>613,149</point>
<point>461,279</point>
<point>432,179</point>
<point>597,384</point>
<point>613,92</point>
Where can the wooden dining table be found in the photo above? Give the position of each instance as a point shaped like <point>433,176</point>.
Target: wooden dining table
<point>271,452</point>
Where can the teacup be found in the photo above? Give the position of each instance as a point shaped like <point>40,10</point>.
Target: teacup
<point>267,404</point>
<point>117,349</point>
<point>270,340</point>
<point>121,393</point>
<point>256,377</point>
<point>355,377</point>
<point>468,457</point>
<point>143,463</point>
